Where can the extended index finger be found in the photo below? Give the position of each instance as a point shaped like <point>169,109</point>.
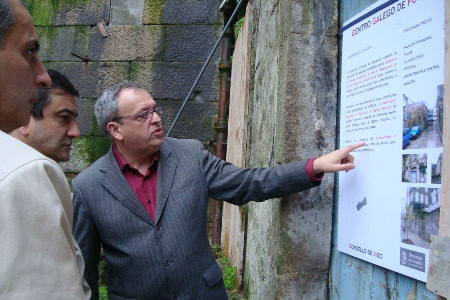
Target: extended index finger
<point>354,146</point>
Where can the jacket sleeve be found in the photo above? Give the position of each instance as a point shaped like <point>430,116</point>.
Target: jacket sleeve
<point>38,251</point>
<point>240,185</point>
<point>88,239</point>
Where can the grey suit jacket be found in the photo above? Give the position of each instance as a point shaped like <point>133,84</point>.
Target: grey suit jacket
<point>170,257</point>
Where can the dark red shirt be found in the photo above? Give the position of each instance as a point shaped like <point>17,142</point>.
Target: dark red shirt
<point>144,186</point>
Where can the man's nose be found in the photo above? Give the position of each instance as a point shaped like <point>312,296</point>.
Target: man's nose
<point>42,79</point>
<point>156,118</point>
<point>73,132</point>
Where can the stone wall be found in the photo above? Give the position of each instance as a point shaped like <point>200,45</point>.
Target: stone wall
<point>293,117</point>
<point>159,43</point>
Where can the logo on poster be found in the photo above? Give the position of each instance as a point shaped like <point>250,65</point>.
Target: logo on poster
<point>404,258</point>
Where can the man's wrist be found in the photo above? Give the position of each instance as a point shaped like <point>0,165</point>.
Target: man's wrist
<point>312,176</point>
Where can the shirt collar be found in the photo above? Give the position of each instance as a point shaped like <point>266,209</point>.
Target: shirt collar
<point>121,161</point>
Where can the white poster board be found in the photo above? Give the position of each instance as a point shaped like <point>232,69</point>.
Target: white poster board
<point>392,98</point>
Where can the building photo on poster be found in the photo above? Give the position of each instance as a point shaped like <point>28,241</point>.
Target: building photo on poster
<point>392,78</point>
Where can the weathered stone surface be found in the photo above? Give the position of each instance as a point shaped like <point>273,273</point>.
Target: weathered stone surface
<point>152,11</point>
<point>191,42</point>
<point>125,43</point>
<point>301,287</point>
<point>68,12</point>
<point>92,78</point>
<point>126,12</point>
<point>85,151</point>
<point>128,43</point>
<point>196,121</point>
<point>173,81</point>
<point>181,12</point>
<point>293,118</point>
<point>57,43</point>
<point>86,119</point>
<point>190,12</point>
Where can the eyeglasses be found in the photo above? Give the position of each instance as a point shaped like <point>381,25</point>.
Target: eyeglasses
<point>146,114</point>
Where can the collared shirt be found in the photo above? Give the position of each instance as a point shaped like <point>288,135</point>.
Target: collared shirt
<point>144,186</point>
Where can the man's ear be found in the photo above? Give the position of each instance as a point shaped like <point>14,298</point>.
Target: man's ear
<point>115,131</point>
<point>24,130</point>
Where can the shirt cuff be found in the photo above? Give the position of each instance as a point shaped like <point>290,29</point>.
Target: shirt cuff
<point>310,172</point>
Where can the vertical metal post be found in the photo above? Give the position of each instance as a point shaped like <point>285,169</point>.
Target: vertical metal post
<point>222,118</point>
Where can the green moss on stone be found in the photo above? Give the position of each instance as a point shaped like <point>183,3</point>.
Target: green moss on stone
<point>284,253</point>
<point>96,130</point>
<point>42,11</point>
<point>137,69</point>
<point>91,148</point>
<point>153,11</point>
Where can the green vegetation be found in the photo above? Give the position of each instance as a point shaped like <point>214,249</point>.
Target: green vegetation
<point>91,148</point>
<point>237,27</point>
<point>229,274</point>
<point>103,291</point>
<point>153,11</point>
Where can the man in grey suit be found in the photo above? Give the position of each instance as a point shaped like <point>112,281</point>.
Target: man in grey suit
<point>146,200</point>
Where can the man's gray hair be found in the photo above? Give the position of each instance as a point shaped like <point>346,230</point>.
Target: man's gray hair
<point>107,106</point>
<point>7,18</point>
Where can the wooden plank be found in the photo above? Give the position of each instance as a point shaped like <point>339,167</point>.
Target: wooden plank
<point>233,219</point>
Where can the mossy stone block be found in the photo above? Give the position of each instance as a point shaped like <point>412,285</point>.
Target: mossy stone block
<point>196,122</point>
<point>92,78</point>
<point>68,12</point>
<point>173,81</point>
<point>125,43</point>
<point>152,11</point>
<point>85,151</point>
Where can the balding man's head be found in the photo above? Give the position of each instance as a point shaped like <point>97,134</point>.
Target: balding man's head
<point>22,74</point>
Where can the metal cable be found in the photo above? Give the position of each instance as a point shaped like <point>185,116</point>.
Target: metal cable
<point>204,67</point>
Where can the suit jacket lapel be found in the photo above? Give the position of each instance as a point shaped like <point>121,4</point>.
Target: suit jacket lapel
<point>167,166</point>
<point>116,184</point>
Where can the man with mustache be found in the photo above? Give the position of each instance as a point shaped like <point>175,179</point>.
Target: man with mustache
<point>38,253</point>
<point>146,202</point>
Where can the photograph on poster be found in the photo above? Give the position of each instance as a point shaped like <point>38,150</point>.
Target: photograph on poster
<point>436,168</point>
<point>422,120</point>
<point>420,216</point>
<point>414,168</point>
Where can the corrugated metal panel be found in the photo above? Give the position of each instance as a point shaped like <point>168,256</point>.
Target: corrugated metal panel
<point>352,278</point>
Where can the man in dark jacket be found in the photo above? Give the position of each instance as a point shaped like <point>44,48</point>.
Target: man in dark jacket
<point>146,202</point>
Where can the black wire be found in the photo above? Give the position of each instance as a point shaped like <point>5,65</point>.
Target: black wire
<point>204,67</point>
